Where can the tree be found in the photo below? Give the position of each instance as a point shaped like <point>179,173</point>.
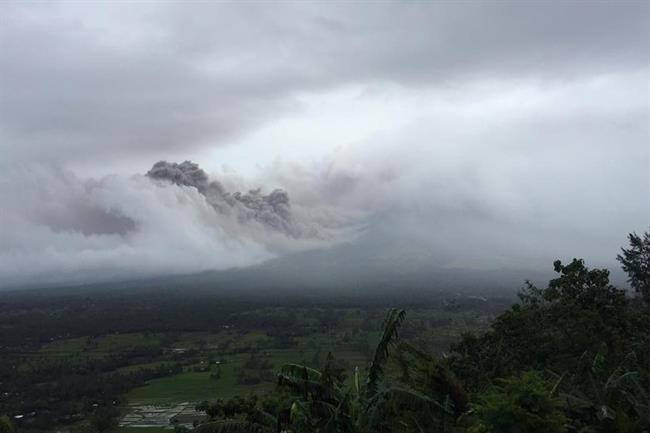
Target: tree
<point>5,425</point>
<point>551,328</point>
<point>577,284</point>
<point>104,419</point>
<point>601,400</point>
<point>519,405</point>
<point>236,415</point>
<point>322,403</point>
<point>636,263</point>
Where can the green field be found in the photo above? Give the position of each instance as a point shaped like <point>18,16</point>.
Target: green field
<point>87,346</point>
<point>116,342</point>
<point>145,429</point>
<point>228,387</point>
<point>136,367</point>
<point>232,349</point>
<point>197,386</point>
<point>188,386</point>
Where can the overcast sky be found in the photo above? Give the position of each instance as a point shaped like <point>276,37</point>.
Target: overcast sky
<point>486,134</point>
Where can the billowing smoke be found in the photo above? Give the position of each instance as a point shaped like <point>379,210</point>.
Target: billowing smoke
<point>272,210</point>
<point>59,228</point>
<point>186,173</point>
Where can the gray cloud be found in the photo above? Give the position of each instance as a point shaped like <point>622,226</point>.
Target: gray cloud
<point>136,78</point>
<point>526,134</point>
<point>59,228</point>
<point>272,210</point>
<point>558,176</point>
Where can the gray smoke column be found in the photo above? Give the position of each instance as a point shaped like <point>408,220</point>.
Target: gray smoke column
<point>272,210</point>
<point>186,173</point>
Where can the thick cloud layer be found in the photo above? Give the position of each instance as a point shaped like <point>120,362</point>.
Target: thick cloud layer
<point>58,228</point>
<point>161,80</point>
<point>461,135</point>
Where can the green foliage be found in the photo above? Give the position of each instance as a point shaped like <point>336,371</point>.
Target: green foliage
<point>230,408</point>
<point>588,343</point>
<point>232,427</point>
<point>636,262</point>
<point>235,415</point>
<point>321,403</point>
<point>599,400</point>
<point>582,326</point>
<point>551,328</point>
<point>426,374</point>
<point>520,404</point>
<point>5,425</point>
<point>399,408</point>
<point>393,321</point>
<point>577,285</point>
<point>104,419</point>
<point>579,324</point>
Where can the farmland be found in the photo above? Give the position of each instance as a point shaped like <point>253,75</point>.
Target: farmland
<point>183,352</point>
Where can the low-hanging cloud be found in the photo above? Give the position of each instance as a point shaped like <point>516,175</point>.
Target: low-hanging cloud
<point>470,135</point>
<point>516,180</point>
<point>59,228</point>
<point>526,184</point>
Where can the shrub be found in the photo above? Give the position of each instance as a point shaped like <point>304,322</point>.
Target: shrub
<point>519,405</point>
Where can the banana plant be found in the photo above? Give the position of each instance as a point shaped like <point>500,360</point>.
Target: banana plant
<point>602,401</point>
<point>321,403</point>
<point>324,405</point>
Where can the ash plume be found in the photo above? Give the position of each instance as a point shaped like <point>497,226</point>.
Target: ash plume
<point>272,210</point>
<point>186,173</point>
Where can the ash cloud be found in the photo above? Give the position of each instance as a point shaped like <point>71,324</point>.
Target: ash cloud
<point>186,173</point>
<point>59,228</point>
<point>272,210</point>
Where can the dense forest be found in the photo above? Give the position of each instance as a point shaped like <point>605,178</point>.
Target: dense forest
<point>572,356</point>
